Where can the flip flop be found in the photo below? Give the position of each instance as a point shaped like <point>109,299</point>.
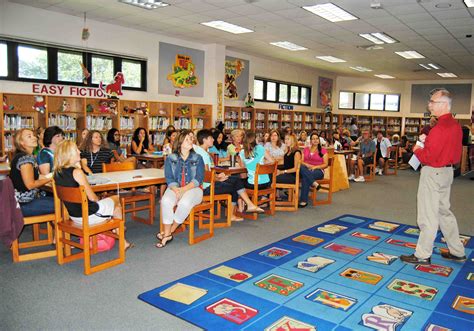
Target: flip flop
<point>257,210</point>
<point>161,244</point>
<point>131,245</point>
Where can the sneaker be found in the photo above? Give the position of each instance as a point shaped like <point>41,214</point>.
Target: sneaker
<point>380,172</point>
<point>351,177</point>
<point>377,169</point>
<point>412,259</point>
<point>359,179</point>
<point>449,256</point>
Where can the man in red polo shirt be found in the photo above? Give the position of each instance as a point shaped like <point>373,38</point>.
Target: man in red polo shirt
<point>442,150</point>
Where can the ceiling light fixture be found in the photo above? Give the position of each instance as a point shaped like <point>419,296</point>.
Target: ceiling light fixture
<point>145,4</point>
<point>227,27</point>
<point>384,76</point>
<point>361,69</point>
<point>410,55</point>
<point>378,38</point>
<point>434,66</point>
<point>427,67</point>
<point>331,59</point>
<point>330,12</point>
<point>447,74</point>
<point>469,3</point>
<point>289,46</point>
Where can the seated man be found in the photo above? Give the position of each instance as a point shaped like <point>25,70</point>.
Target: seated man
<point>383,145</point>
<point>365,156</point>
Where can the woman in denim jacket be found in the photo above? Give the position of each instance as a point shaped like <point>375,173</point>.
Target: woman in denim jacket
<point>184,173</point>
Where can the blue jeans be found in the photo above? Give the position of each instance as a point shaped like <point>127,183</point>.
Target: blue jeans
<point>40,206</point>
<point>307,179</point>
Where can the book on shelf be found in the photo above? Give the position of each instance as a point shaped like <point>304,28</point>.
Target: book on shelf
<point>15,122</point>
<point>125,139</point>
<point>260,116</point>
<point>198,123</point>
<point>100,123</point>
<point>158,122</point>
<point>158,138</point>
<point>182,123</point>
<point>65,122</point>
<point>8,142</point>
<point>230,125</point>
<point>127,123</point>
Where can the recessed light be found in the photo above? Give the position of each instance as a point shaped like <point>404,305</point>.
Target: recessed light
<point>331,59</point>
<point>410,55</point>
<point>384,76</point>
<point>289,46</point>
<point>361,69</point>
<point>434,66</point>
<point>469,3</point>
<point>330,12</point>
<point>447,74</point>
<point>378,38</point>
<point>227,27</point>
<point>147,4</point>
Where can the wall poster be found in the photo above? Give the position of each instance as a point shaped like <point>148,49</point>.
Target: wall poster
<point>325,86</point>
<point>236,78</point>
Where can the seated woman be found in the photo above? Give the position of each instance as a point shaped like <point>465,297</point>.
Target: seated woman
<point>322,139</point>
<point>266,138</point>
<point>169,130</point>
<point>303,139</point>
<point>275,147</point>
<point>83,137</point>
<point>26,178</point>
<point>251,155</point>
<point>68,173</point>
<point>184,172</point>
<point>52,137</point>
<point>170,137</point>
<point>405,150</point>
<point>235,147</point>
<point>113,142</point>
<point>94,153</point>
<point>286,172</point>
<point>336,141</point>
<point>141,142</point>
<point>315,160</point>
<point>220,146</point>
<point>346,140</point>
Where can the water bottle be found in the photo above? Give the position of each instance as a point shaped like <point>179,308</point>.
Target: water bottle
<point>232,160</point>
<point>124,152</point>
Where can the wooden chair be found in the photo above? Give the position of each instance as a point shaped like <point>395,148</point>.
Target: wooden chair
<point>49,219</point>
<point>293,193</point>
<point>133,196</point>
<point>327,182</point>
<point>65,228</point>
<point>199,212</point>
<point>268,194</point>
<point>370,169</point>
<point>218,199</point>
<point>391,166</point>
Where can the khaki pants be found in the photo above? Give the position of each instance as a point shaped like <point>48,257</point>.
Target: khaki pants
<point>433,212</point>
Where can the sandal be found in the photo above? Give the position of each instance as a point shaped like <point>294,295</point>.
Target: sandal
<point>163,243</point>
<point>130,245</point>
<point>160,235</point>
<point>257,210</point>
<point>237,219</point>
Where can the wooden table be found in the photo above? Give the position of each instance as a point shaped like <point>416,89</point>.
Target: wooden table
<point>130,179</point>
<point>4,168</point>
<point>155,159</point>
<point>231,170</point>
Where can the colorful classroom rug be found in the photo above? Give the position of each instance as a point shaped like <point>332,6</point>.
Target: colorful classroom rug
<point>344,274</point>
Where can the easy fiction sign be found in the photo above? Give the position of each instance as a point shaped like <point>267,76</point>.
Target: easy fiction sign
<point>62,90</point>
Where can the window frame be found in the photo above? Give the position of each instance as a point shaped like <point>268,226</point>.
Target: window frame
<point>288,97</point>
<point>52,57</point>
<point>8,57</point>
<point>370,96</point>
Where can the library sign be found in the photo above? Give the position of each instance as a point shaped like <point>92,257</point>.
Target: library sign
<point>70,91</point>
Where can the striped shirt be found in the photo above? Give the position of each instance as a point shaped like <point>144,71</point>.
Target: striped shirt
<point>95,160</point>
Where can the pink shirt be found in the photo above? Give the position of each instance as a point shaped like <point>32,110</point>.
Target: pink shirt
<point>313,158</point>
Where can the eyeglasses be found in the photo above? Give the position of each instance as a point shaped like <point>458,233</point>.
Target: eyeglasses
<point>117,134</point>
<point>432,101</point>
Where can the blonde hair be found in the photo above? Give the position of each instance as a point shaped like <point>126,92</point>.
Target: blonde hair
<point>63,155</point>
<point>17,140</point>
<point>237,132</point>
<point>294,143</point>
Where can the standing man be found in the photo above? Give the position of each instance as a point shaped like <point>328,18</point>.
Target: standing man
<point>441,151</point>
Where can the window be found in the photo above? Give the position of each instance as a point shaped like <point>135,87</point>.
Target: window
<point>69,67</point>
<point>304,96</point>
<point>376,101</point>
<point>361,101</point>
<point>369,101</point>
<point>268,90</point>
<point>283,93</point>
<point>258,89</point>
<point>271,91</point>
<point>32,62</point>
<point>3,60</point>
<point>294,94</point>
<point>392,102</point>
<point>102,70</point>
<point>346,100</point>
<point>132,71</point>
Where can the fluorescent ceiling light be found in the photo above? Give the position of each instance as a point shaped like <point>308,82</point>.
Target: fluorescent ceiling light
<point>227,27</point>
<point>145,4</point>
<point>361,69</point>
<point>289,46</point>
<point>434,66</point>
<point>447,74</point>
<point>469,3</point>
<point>378,38</point>
<point>330,12</point>
<point>427,67</point>
<point>331,59</point>
<point>383,76</point>
<point>410,55</point>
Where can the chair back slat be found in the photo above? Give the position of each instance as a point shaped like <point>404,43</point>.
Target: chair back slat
<point>265,169</point>
<point>118,166</point>
<point>64,194</point>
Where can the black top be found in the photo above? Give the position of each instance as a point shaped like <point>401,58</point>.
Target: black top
<point>289,160</point>
<point>65,178</point>
<point>22,194</point>
<point>95,160</point>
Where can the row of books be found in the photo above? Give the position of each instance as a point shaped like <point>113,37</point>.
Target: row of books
<point>182,123</point>
<point>15,122</point>
<point>231,125</point>
<point>125,139</point>
<point>65,122</point>
<point>127,123</point>
<point>158,123</point>
<point>158,138</point>
<point>100,123</point>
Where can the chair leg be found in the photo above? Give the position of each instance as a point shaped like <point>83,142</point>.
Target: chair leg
<point>59,246</point>
<point>87,255</point>
<point>191,228</point>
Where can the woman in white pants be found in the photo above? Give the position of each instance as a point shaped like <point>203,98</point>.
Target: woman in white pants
<point>184,172</point>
